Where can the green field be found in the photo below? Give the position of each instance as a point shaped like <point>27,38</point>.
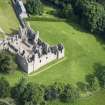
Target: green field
<point>8,20</point>
<point>82,52</point>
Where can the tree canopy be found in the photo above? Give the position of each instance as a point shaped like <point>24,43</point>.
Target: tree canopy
<point>34,7</point>
<point>4,88</point>
<point>27,93</point>
<point>7,63</point>
<point>90,14</point>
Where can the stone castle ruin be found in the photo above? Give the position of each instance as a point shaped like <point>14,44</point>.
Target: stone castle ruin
<point>20,9</point>
<point>31,52</point>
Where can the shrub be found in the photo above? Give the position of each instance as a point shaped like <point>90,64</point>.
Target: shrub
<point>7,64</point>
<point>69,94</point>
<point>53,92</point>
<point>82,86</point>
<point>28,94</point>
<point>100,74</point>
<point>93,83</point>
<point>4,88</point>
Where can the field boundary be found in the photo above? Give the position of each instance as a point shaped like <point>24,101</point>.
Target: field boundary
<point>47,19</point>
<point>50,66</point>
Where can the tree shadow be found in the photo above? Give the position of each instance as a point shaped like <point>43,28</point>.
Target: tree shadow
<point>98,66</point>
<point>100,73</point>
<point>100,38</point>
<point>77,26</point>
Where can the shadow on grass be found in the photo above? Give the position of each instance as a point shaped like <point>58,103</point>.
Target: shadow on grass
<point>47,3</point>
<point>13,32</point>
<point>99,67</point>
<point>78,27</point>
<point>100,39</point>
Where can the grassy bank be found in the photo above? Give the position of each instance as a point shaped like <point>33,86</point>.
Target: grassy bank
<point>8,20</point>
<point>82,52</point>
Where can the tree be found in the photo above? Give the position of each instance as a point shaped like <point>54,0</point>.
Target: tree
<point>82,86</point>
<point>53,91</point>
<point>101,2</point>
<point>65,12</point>
<point>33,94</point>
<point>100,74</point>
<point>18,90</point>
<point>90,15</point>
<point>4,88</point>
<point>69,94</point>
<point>93,83</point>
<point>6,62</point>
<point>34,7</point>
<point>28,94</point>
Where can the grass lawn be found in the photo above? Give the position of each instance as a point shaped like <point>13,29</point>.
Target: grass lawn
<point>8,20</point>
<point>82,52</point>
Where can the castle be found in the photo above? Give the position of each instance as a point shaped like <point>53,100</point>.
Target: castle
<point>31,52</point>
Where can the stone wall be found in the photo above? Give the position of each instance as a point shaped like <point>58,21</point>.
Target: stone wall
<point>34,55</point>
<point>38,62</point>
<point>22,62</point>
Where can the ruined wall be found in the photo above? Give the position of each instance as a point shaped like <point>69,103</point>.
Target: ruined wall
<point>45,59</point>
<point>22,63</point>
<point>39,62</point>
<point>61,54</point>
